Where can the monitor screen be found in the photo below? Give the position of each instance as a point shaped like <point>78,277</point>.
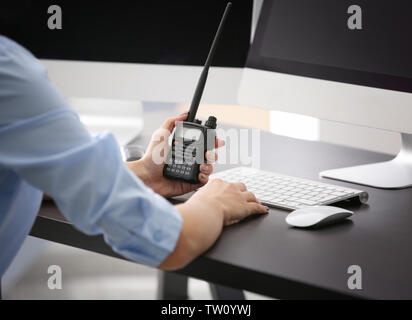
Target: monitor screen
<point>157,32</point>
<point>330,39</point>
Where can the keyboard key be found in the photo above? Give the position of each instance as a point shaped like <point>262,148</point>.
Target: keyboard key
<point>307,202</point>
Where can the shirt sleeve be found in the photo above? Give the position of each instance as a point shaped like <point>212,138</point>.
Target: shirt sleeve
<point>43,141</point>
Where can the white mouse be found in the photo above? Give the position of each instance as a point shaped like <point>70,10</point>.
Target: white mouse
<point>317,216</point>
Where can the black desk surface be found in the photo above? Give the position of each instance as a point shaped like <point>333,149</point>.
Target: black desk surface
<point>265,255</point>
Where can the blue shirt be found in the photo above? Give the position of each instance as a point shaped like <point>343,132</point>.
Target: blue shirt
<point>45,148</point>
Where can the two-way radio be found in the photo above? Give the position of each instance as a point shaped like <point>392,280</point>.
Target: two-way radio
<point>192,139</point>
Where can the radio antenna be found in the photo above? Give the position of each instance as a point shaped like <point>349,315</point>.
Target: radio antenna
<point>203,77</point>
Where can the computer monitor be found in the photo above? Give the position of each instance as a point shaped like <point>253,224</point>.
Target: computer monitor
<point>126,49</point>
<point>107,57</point>
<point>339,60</point>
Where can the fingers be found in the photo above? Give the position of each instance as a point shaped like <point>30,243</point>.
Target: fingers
<point>240,186</point>
<point>252,208</point>
<point>203,178</point>
<point>206,169</point>
<point>170,123</point>
<point>219,143</point>
<point>211,156</point>
<point>160,135</point>
<point>250,197</point>
<point>257,208</point>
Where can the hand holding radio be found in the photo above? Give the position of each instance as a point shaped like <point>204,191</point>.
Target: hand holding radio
<point>150,171</point>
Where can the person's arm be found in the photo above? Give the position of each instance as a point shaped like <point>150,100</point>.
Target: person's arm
<point>201,227</point>
<point>150,168</point>
<point>204,215</point>
<point>45,144</point>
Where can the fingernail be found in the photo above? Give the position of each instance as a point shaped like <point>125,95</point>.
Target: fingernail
<point>205,169</point>
<point>267,209</point>
<point>202,176</point>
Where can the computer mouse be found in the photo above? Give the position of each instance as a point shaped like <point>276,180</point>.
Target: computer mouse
<point>317,216</point>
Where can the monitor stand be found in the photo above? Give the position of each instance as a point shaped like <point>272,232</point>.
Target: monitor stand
<point>393,174</point>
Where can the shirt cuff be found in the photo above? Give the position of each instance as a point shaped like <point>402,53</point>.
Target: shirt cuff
<point>150,244</point>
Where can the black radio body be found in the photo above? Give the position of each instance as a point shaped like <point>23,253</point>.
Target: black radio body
<point>190,143</point>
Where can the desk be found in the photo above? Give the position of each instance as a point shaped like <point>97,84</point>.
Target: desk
<point>265,255</point>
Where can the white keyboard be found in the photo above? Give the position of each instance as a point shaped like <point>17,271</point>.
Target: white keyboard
<point>286,192</point>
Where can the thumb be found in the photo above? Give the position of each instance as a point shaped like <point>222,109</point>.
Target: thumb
<point>161,135</point>
<point>170,123</point>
